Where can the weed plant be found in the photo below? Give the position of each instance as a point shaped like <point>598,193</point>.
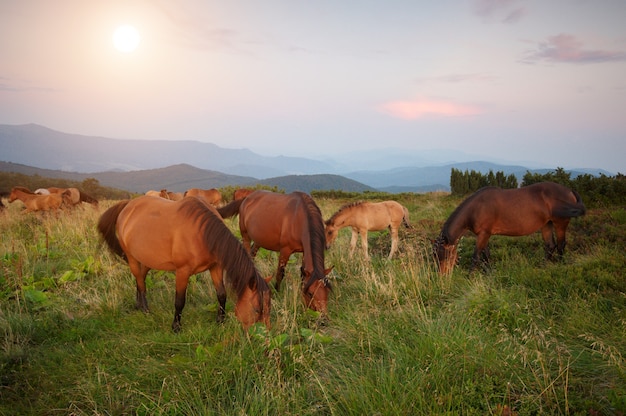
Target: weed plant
<point>524,337</point>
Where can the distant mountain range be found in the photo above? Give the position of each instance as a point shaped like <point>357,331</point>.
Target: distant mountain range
<point>139,165</point>
<point>179,178</point>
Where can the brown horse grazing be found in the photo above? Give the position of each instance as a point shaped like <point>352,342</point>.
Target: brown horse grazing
<point>368,216</point>
<point>544,206</point>
<point>175,196</point>
<point>208,196</point>
<point>35,202</point>
<point>287,224</point>
<point>76,195</point>
<point>241,193</point>
<point>187,237</point>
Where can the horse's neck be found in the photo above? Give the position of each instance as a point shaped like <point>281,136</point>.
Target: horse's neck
<point>23,195</point>
<point>456,227</point>
<point>344,219</point>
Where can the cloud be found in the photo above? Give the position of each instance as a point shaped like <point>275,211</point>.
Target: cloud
<point>566,48</point>
<point>503,11</point>
<point>422,108</point>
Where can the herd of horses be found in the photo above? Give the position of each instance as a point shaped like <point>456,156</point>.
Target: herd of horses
<point>49,199</point>
<point>187,235</point>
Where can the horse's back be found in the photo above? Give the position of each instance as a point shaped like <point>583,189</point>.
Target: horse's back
<point>272,219</point>
<point>564,202</point>
<point>170,230</point>
<point>208,196</point>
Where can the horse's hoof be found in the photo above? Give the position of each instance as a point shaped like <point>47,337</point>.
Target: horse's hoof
<point>176,327</point>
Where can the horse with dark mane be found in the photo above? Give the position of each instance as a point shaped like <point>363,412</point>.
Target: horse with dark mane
<point>365,216</point>
<point>187,237</point>
<point>287,224</point>
<point>544,206</point>
<point>76,195</point>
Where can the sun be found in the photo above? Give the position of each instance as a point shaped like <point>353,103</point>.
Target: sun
<point>126,38</point>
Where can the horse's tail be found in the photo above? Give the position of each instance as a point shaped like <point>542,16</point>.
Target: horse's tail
<point>231,209</point>
<point>405,218</point>
<point>570,210</point>
<point>106,227</point>
<point>87,198</point>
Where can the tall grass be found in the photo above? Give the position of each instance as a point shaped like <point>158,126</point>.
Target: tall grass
<point>525,337</point>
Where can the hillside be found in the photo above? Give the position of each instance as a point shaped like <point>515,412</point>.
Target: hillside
<point>36,145</point>
<point>138,164</point>
<point>181,177</point>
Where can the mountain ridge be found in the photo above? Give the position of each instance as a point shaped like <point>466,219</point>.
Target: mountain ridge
<point>111,159</point>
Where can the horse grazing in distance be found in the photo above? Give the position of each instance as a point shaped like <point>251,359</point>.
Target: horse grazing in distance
<point>165,194</point>
<point>187,237</point>
<point>153,193</point>
<point>286,224</point>
<point>368,216</point>
<point>175,196</point>
<point>544,206</point>
<point>76,196</point>
<point>208,196</point>
<point>34,202</point>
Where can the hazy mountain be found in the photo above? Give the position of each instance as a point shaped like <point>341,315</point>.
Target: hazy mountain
<point>432,178</point>
<point>35,145</point>
<point>181,177</point>
<point>179,165</point>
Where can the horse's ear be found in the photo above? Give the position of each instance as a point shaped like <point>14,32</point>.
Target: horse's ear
<point>327,222</point>
<point>268,279</point>
<point>327,271</point>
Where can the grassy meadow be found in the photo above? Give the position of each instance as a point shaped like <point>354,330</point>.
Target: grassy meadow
<point>525,337</point>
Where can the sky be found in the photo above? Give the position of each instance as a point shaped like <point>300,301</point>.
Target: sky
<point>535,81</point>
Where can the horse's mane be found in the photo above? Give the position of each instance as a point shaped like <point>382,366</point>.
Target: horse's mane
<point>318,239</point>
<point>345,207</point>
<point>23,189</point>
<point>235,259</point>
<point>445,230</point>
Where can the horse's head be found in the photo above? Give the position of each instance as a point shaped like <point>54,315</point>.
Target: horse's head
<point>12,196</point>
<point>254,305</point>
<point>446,255</point>
<point>330,232</point>
<point>315,295</point>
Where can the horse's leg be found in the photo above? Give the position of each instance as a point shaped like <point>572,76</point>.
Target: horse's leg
<point>355,234</point>
<point>548,240</point>
<point>253,250</point>
<point>283,258</point>
<point>482,241</point>
<point>394,240</point>
<point>245,238</point>
<point>182,280</point>
<point>560,226</point>
<point>364,244</point>
<point>217,276</point>
<point>140,272</point>
<point>487,254</point>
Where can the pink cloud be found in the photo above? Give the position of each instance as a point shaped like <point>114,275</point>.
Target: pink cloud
<point>416,109</point>
<point>567,48</point>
